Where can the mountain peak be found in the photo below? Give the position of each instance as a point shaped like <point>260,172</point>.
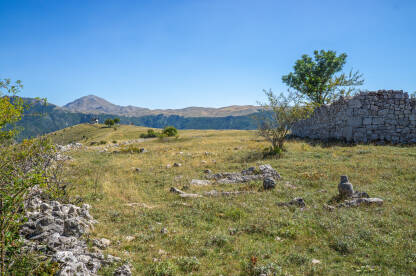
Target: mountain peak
<point>95,105</point>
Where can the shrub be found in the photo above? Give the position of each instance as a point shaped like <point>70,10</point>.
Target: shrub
<point>109,122</point>
<point>116,120</point>
<point>170,131</point>
<point>150,134</point>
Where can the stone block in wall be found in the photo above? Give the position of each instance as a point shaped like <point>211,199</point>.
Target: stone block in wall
<point>367,121</point>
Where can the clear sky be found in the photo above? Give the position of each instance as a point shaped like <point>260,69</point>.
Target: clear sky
<point>178,53</point>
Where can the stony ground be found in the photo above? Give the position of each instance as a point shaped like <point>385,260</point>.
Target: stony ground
<point>250,232</point>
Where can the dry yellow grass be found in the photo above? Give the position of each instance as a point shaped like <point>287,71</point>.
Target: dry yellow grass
<point>213,236</point>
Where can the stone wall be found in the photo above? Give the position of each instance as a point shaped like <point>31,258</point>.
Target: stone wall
<point>384,115</point>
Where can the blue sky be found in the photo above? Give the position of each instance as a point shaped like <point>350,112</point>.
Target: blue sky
<point>176,53</point>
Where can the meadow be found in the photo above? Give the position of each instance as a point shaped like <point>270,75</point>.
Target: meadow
<point>160,233</point>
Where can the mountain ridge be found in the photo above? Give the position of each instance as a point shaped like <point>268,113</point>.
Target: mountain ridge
<point>92,104</point>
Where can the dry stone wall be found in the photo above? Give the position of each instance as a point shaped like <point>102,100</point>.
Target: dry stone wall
<point>384,115</point>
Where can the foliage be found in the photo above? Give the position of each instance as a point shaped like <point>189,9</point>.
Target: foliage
<point>275,126</point>
<point>150,134</point>
<point>170,131</point>
<point>109,122</point>
<point>23,166</point>
<point>116,120</point>
<point>318,80</point>
<point>11,107</point>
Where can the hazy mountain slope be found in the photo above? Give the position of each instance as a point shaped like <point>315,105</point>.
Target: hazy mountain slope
<point>41,119</point>
<point>95,105</point>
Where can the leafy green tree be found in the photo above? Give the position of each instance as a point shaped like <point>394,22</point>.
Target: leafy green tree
<point>116,120</point>
<point>11,107</point>
<point>277,116</point>
<point>320,79</point>
<point>170,131</point>
<point>109,122</point>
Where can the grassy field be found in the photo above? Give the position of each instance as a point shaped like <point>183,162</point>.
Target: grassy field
<point>248,234</point>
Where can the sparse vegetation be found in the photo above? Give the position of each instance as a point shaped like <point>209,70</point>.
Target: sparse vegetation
<point>224,233</point>
<point>277,117</point>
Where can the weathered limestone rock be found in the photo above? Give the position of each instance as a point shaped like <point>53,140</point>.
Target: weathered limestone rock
<point>56,230</point>
<point>297,201</point>
<point>123,270</point>
<point>250,174</point>
<point>199,182</point>
<point>269,183</point>
<point>345,188</point>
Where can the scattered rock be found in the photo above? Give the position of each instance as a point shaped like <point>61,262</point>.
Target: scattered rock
<point>315,261</point>
<point>142,150</point>
<point>101,243</point>
<point>129,238</point>
<point>177,164</point>
<point>168,166</point>
<point>250,174</point>
<point>69,147</point>
<point>198,182</point>
<point>124,270</point>
<point>137,170</point>
<point>329,207</point>
<point>345,188</point>
<point>277,238</point>
<point>203,162</point>
<point>297,201</point>
<point>183,194</point>
<point>359,201</point>
<point>208,171</point>
<point>354,198</point>
<point>164,230</point>
<point>214,193</point>
<point>269,183</point>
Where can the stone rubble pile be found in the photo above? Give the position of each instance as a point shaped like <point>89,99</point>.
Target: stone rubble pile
<point>56,230</point>
<point>384,116</point>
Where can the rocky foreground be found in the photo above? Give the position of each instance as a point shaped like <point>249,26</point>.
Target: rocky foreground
<point>56,230</point>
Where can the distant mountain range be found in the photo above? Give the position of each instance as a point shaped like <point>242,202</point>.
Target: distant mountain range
<point>41,119</point>
<point>95,105</point>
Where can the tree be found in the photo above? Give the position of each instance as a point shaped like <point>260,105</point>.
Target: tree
<point>170,131</point>
<point>318,80</point>
<point>277,117</point>
<point>116,120</point>
<point>11,107</point>
<point>109,122</point>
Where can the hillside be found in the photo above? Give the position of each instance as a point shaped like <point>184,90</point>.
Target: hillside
<point>42,119</point>
<point>87,133</point>
<point>95,105</point>
<point>248,233</point>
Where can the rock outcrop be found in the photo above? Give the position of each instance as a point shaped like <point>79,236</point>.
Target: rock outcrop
<point>250,174</point>
<point>56,230</point>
